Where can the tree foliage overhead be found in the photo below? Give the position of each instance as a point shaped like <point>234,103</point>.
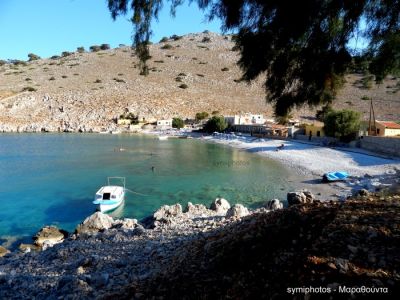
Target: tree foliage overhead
<point>301,47</point>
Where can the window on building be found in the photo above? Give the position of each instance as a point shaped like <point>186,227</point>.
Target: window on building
<point>318,133</point>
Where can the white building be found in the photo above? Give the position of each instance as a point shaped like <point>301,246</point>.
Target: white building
<point>246,119</point>
<point>164,124</point>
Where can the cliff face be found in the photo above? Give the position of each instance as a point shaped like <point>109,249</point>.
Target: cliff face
<point>200,254</point>
<point>194,73</point>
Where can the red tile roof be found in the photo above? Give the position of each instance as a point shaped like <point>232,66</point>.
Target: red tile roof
<point>390,125</point>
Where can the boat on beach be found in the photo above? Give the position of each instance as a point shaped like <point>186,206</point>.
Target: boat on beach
<point>110,196</point>
<point>335,176</point>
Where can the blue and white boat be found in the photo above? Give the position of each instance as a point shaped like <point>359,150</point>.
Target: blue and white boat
<point>110,196</point>
<point>335,176</point>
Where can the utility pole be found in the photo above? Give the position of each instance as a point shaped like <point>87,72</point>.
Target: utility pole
<point>371,113</point>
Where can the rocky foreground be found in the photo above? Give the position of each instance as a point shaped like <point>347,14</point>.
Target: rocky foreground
<point>221,252</point>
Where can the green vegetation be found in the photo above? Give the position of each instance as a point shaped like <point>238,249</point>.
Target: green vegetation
<point>225,69</point>
<point>64,76</point>
<point>104,46</point>
<point>80,49</point>
<point>365,98</point>
<point>130,116</point>
<point>94,48</point>
<point>55,57</point>
<point>177,123</point>
<point>167,47</point>
<point>215,113</point>
<point>366,81</point>
<point>175,37</point>
<point>183,86</point>
<point>66,53</point>
<point>164,40</point>
<point>119,80</point>
<point>201,116</point>
<point>52,78</point>
<point>97,81</point>
<point>2,62</point>
<point>302,42</point>
<point>323,112</point>
<point>343,124</point>
<point>159,61</point>
<point>206,39</point>
<point>216,123</point>
<point>28,79</point>
<point>28,89</point>
<point>33,57</point>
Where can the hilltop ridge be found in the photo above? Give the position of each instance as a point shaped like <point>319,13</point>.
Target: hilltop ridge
<point>196,72</point>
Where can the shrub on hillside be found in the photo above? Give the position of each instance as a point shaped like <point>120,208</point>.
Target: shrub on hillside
<point>224,69</point>
<point>167,47</point>
<point>183,86</point>
<point>105,46</point>
<point>55,57</point>
<point>80,49</point>
<point>201,116</point>
<point>33,57</point>
<point>164,39</point>
<point>28,89</point>
<point>94,48</point>
<point>52,78</point>
<point>66,53</point>
<point>175,37</point>
<point>177,123</point>
<point>206,39</point>
<point>2,62</point>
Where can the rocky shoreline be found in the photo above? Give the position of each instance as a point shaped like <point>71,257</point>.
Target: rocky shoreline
<point>106,258</point>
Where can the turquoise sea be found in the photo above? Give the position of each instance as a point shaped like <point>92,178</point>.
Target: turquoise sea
<point>51,179</point>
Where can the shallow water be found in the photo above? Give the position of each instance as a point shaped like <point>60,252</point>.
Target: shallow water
<point>52,178</point>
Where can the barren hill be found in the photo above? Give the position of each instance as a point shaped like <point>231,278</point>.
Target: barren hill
<point>189,74</point>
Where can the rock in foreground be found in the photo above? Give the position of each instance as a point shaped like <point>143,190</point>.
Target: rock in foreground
<point>259,256</point>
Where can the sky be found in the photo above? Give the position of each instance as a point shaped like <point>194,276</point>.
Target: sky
<point>49,27</point>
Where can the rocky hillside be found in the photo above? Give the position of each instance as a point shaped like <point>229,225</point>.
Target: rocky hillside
<point>188,74</point>
<point>220,253</point>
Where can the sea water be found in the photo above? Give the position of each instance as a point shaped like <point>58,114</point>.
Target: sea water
<point>51,179</point>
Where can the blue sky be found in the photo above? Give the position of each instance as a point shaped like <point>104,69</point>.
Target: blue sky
<point>48,27</point>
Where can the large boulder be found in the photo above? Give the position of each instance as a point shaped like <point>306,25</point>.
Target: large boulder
<point>167,212</point>
<point>3,251</point>
<point>273,204</point>
<point>49,235</point>
<point>196,209</point>
<point>220,205</point>
<point>95,223</point>
<point>294,198</point>
<point>237,211</point>
<point>126,223</point>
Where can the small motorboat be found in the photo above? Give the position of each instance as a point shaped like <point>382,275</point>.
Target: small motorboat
<point>110,196</point>
<point>335,176</point>
<point>163,137</point>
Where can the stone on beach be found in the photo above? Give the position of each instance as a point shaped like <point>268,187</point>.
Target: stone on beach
<point>95,223</point>
<point>237,211</point>
<point>294,198</point>
<point>3,251</point>
<point>196,209</point>
<point>168,211</point>
<point>273,204</point>
<point>220,205</point>
<point>49,236</point>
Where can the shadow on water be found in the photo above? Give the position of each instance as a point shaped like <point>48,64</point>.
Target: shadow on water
<point>71,210</point>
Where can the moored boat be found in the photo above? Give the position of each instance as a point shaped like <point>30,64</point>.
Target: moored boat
<point>110,196</point>
<point>335,176</point>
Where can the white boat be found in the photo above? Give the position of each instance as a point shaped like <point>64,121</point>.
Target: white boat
<point>110,196</point>
<point>163,137</point>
